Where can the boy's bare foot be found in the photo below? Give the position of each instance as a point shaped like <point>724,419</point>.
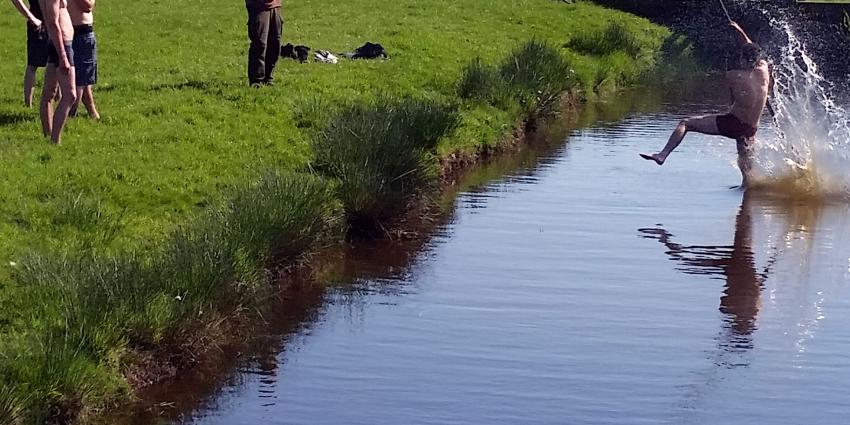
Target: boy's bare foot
<point>655,157</point>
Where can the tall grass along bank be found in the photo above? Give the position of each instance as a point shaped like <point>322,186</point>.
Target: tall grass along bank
<point>381,154</point>
<point>124,248</point>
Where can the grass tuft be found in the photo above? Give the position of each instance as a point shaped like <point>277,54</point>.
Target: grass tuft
<point>615,37</point>
<point>12,408</point>
<point>482,82</point>
<point>533,76</point>
<point>382,154</point>
<point>537,72</point>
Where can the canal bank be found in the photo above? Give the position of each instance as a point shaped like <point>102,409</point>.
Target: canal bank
<point>120,287</point>
<point>578,285</point>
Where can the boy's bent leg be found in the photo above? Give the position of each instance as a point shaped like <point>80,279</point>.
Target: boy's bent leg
<point>258,33</point>
<point>48,93</point>
<point>273,43</point>
<point>68,88</point>
<point>705,124</point>
<point>745,159</point>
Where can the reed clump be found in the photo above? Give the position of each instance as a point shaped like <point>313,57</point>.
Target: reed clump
<point>381,154</point>
<point>615,37</point>
<point>532,76</point>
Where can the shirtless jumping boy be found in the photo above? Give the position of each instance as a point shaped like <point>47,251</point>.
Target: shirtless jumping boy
<point>750,87</point>
<point>60,68</point>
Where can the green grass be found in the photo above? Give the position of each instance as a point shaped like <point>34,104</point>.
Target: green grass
<point>92,309</point>
<point>165,212</point>
<point>381,153</point>
<point>532,76</point>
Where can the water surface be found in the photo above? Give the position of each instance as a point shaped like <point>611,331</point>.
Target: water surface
<point>586,287</point>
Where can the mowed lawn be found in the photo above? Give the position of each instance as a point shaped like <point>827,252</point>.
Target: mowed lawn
<point>179,122</point>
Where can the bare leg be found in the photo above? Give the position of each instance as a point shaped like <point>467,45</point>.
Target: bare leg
<point>745,160</point>
<point>88,101</point>
<point>69,97</point>
<point>705,125</point>
<point>29,85</point>
<point>48,93</point>
<point>76,106</point>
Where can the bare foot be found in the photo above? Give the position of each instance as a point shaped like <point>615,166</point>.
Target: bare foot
<point>658,159</point>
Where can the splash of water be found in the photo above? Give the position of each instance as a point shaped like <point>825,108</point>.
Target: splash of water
<point>810,153</point>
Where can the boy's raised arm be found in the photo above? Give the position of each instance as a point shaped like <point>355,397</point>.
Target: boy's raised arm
<point>742,36</point>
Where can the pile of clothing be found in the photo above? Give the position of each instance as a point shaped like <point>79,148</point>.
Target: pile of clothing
<point>302,53</point>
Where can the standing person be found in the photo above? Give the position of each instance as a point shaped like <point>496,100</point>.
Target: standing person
<point>36,45</point>
<point>265,26</point>
<point>60,68</point>
<point>85,54</point>
<point>749,86</point>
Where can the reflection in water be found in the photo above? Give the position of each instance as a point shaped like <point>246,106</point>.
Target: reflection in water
<point>530,305</point>
<point>741,299</point>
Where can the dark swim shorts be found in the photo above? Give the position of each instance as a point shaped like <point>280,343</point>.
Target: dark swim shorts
<point>730,126</point>
<point>37,44</point>
<point>53,55</point>
<point>85,55</point>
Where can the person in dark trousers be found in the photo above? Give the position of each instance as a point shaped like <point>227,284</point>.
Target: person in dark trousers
<point>265,26</point>
<point>37,43</point>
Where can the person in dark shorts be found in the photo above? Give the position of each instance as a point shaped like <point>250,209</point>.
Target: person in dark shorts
<point>37,43</point>
<point>750,86</point>
<point>265,27</point>
<point>60,74</point>
<point>85,54</point>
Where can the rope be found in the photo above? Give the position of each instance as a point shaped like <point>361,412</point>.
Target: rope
<point>725,11</point>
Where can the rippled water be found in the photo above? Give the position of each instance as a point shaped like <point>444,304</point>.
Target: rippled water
<point>586,287</point>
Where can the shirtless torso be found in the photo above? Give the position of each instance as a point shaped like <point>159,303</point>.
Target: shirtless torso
<point>58,8</point>
<point>81,12</point>
<point>750,89</point>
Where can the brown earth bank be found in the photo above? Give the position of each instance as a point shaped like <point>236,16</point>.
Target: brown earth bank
<point>823,27</point>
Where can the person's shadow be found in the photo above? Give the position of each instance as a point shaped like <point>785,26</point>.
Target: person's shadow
<point>741,298</point>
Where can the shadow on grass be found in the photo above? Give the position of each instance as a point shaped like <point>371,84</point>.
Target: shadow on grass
<point>12,118</point>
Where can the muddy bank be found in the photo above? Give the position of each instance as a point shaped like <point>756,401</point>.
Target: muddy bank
<point>821,26</point>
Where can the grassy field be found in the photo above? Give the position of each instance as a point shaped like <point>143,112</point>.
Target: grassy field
<point>185,147</point>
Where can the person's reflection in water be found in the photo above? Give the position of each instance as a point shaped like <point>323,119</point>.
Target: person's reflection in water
<point>741,298</point>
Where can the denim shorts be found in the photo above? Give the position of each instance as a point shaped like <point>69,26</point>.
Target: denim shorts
<point>85,55</point>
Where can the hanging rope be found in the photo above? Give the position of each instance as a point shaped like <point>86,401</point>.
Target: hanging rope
<point>725,11</point>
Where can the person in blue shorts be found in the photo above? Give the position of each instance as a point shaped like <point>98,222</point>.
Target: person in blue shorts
<point>85,54</point>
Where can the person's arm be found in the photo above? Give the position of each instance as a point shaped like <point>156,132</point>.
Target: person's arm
<point>739,32</point>
<point>25,12</point>
<point>54,30</point>
<point>770,93</point>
